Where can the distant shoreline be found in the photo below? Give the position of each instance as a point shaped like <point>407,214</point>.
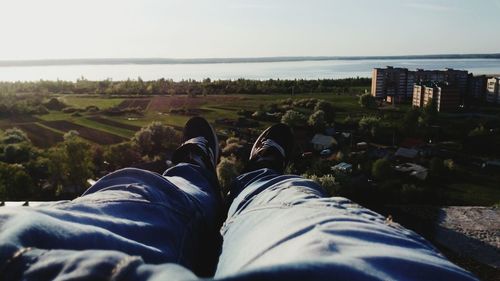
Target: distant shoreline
<point>152,61</point>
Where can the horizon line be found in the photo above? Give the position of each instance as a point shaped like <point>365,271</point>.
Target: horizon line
<point>160,60</point>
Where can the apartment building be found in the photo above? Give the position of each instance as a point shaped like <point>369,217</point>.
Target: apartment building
<point>390,84</point>
<point>395,85</point>
<point>477,87</point>
<point>493,90</point>
<point>445,95</point>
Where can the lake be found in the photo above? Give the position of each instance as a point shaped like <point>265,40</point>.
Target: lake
<point>251,70</point>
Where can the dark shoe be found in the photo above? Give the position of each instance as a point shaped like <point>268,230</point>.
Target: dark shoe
<point>200,145</point>
<point>272,149</point>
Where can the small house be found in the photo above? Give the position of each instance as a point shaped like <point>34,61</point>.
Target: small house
<point>408,153</point>
<point>362,145</point>
<point>330,131</point>
<point>321,142</point>
<point>343,167</point>
<point>413,170</point>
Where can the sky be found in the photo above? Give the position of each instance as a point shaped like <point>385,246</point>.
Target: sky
<point>52,29</point>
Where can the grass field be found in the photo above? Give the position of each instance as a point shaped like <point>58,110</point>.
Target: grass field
<point>84,101</point>
<point>159,108</point>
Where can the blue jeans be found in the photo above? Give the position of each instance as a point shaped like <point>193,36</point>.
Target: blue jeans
<point>137,225</point>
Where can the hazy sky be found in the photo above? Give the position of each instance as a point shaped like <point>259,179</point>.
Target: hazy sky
<point>36,29</point>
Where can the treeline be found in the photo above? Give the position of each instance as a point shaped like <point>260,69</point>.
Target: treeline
<point>12,105</point>
<point>190,87</point>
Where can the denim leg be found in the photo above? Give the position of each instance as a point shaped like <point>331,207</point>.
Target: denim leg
<point>282,227</point>
<point>130,214</point>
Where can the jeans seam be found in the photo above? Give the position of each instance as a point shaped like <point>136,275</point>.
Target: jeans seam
<point>156,204</point>
<point>183,242</point>
<point>233,218</point>
<point>18,254</point>
<point>286,205</point>
<point>121,265</point>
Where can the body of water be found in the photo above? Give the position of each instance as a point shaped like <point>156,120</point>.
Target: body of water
<point>256,70</point>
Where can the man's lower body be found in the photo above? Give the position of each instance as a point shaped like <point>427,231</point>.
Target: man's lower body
<point>137,225</point>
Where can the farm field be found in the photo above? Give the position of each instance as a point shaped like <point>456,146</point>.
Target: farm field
<point>40,136</point>
<point>119,118</point>
<point>90,134</point>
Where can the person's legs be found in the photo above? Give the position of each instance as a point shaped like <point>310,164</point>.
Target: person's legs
<point>283,227</point>
<point>129,216</point>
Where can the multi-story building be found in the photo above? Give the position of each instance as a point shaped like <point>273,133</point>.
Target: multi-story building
<point>396,84</point>
<point>493,90</point>
<point>445,95</point>
<point>477,87</point>
<point>390,83</point>
<point>418,95</point>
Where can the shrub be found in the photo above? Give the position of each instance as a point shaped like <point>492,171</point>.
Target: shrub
<point>381,169</point>
<point>54,104</point>
<point>293,118</point>
<point>367,101</point>
<point>227,171</point>
<point>317,120</point>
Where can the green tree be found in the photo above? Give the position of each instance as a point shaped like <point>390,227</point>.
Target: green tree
<point>14,135</point>
<point>369,124</point>
<point>478,131</point>
<point>367,101</point>
<point>18,152</point>
<point>328,109</point>
<point>122,155</point>
<point>155,139</point>
<point>38,169</point>
<point>436,167</point>
<point>410,121</point>
<point>381,169</point>
<point>293,118</point>
<point>78,160</point>
<point>57,167</point>
<point>429,114</point>
<point>15,182</point>
<point>328,182</point>
<point>317,120</point>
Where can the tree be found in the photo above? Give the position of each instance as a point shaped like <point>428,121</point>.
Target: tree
<point>381,169</point>
<point>317,120</point>
<point>328,109</point>
<point>122,155</point>
<point>367,101</point>
<point>156,138</point>
<point>328,182</point>
<point>18,152</point>
<point>478,131</point>
<point>57,167</point>
<point>38,169</point>
<point>436,167</point>
<point>78,160</point>
<point>293,118</point>
<point>14,135</point>
<point>429,114</point>
<point>410,121</point>
<point>15,182</point>
<point>369,124</point>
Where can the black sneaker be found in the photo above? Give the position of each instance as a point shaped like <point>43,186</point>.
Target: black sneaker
<point>272,149</point>
<point>200,145</point>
